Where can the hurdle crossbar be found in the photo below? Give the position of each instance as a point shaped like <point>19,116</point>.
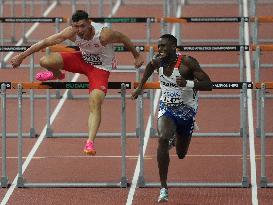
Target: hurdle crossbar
<point>262,47</point>
<point>33,20</point>
<point>216,85</point>
<point>61,85</point>
<point>146,48</point>
<point>267,85</point>
<point>211,19</point>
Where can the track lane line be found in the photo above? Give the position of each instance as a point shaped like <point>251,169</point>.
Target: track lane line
<point>250,112</point>
<point>52,118</point>
<point>37,144</point>
<point>147,131</point>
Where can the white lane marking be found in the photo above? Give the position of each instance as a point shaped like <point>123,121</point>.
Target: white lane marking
<point>39,140</point>
<point>32,28</point>
<point>147,134</point>
<point>137,169</point>
<point>37,144</point>
<point>42,135</point>
<point>250,112</point>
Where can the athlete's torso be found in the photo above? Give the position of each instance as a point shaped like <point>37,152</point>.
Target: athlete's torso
<point>93,52</point>
<point>172,94</point>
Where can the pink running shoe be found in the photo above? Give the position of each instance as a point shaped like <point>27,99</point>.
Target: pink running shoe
<point>89,148</point>
<point>47,75</point>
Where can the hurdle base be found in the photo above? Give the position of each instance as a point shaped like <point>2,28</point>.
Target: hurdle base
<point>20,182</point>
<point>58,95</point>
<point>124,182</point>
<point>74,185</point>
<point>32,133</point>
<point>195,184</point>
<point>263,182</point>
<point>4,182</point>
<point>258,132</point>
<point>245,182</point>
<point>153,132</point>
<point>49,132</point>
<point>141,182</point>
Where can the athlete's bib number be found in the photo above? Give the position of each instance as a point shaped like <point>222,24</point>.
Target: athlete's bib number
<point>92,59</point>
<point>171,97</point>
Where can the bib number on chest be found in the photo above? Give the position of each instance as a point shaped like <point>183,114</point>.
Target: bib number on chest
<point>92,59</point>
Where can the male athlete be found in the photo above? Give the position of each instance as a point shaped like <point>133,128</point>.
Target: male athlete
<point>95,60</point>
<point>180,77</point>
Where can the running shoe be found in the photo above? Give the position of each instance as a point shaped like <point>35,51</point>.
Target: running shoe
<point>48,75</point>
<point>163,195</point>
<point>89,148</point>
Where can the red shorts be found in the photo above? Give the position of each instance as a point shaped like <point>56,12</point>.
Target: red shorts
<point>98,78</point>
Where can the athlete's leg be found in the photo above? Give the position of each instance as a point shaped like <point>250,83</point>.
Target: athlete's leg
<point>96,98</point>
<point>182,145</point>
<point>183,137</point>
<point>54,63</point>
<point>166,129</point>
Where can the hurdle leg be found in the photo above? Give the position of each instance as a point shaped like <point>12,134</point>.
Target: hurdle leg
<point>263,180</point>
<point>257,79</point>
<point>4,178</point>
<point>141,180</point>
<point>124,180</point>
<point>243,102</point>
<point>20,180</point>
<point>49,131</point>
<point>32,132</point>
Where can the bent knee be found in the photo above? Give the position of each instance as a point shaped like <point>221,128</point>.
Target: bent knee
<point>43,61</point>
<point>53,60</point>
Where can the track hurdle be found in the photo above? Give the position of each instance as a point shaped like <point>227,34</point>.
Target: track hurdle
<point>258,49</point>
<point>21,183</point>
<point>243,86</point>
<point>263,86</point>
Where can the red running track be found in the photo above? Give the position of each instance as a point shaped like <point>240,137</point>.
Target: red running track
<point>214,159</point>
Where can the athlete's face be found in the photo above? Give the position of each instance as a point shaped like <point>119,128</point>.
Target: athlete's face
<point>81,27</point>
<point>165,48</point>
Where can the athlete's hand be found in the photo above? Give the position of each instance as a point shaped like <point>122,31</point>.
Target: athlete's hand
<point>181,81</point>
<point>136,93</point>
<point>16,61</point>
<point>139,61</point>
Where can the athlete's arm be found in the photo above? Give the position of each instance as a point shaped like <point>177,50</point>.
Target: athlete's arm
<point>49,41</point>
<point>110,36</point>
<point>201,78</point>
<point>150,68</point>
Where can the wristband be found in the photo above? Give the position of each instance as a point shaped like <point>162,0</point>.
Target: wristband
<point>190,83</point>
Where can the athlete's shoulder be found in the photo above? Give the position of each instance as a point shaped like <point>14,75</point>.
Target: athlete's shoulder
<point>68,33</point>
<point>189,61</point>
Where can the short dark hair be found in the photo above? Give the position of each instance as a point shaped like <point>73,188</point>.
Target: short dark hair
<point>79,15</point>
<point>170,38</point>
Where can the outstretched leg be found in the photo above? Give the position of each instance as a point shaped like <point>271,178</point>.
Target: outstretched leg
<point>96,98</point>
<point>166,129</point>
